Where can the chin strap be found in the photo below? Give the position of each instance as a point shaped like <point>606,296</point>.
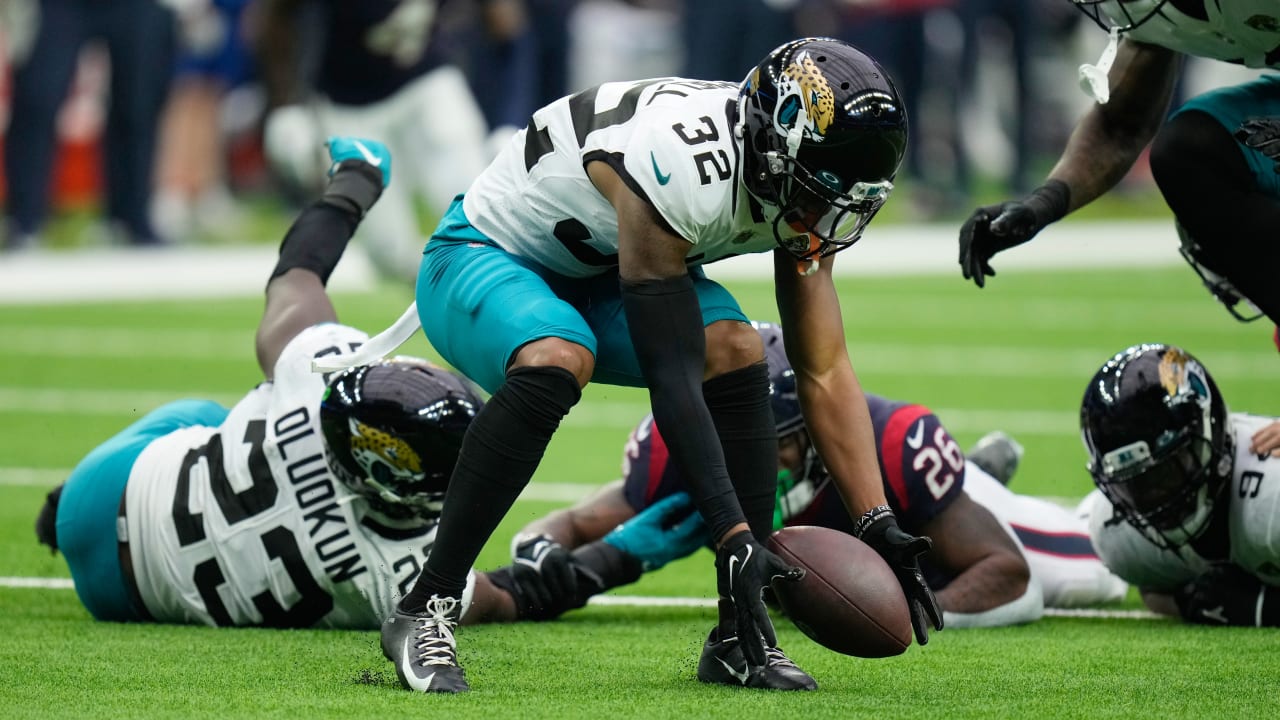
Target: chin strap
<point>378,347</point>
<point>1093,78</point>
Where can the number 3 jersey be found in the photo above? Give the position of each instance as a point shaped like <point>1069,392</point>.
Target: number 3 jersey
<point>243,524</point>
<point>670,140</point>
<point>1253,513</point>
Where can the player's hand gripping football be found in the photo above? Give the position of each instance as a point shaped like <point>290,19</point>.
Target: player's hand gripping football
<point>902,553</point>
<point>995,228</point>
<point>744,568</point>
<point>1261,134</point>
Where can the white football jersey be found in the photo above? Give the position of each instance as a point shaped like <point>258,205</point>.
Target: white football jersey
<point>1253,513</point>
<point>243,524</point>
<point>670,139</point>
<point>1240,31</point>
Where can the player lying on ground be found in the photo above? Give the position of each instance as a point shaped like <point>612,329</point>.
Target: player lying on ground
<point>311,502</point>
<point>998,558</point>
<point>1186,506</point>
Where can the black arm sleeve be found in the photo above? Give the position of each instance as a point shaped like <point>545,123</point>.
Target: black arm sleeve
<point>665,322</point>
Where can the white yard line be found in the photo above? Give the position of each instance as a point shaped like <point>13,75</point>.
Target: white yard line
<point>621,600</point>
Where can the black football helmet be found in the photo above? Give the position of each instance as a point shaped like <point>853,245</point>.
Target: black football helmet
<point>1122,15</point>
<point>1159,442</point>
<point>823,132</point>
<point>392,431</point>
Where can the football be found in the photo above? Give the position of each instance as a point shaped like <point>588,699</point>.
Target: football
<point>849,600</point>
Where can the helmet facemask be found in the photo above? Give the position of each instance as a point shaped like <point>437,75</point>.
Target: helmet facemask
<point>1125,20</point>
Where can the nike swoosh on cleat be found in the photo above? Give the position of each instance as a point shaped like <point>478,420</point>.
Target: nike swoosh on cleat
<point>915,441</point>
<point>369,157</point>
<point>412,679</point>
<point>662,179</point>
<point>741,676</point>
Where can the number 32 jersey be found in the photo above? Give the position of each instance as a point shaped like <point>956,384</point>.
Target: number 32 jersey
<point>670,140</point>
<point>1253,506</point>
<point>243,524</point>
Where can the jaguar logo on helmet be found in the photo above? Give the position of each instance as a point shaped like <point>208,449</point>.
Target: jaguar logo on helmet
<point>1181,376</point>
<point>805,99</point>
<point>372,447</point>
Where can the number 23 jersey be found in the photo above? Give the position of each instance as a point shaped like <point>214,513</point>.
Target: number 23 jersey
<point>1253,499</point>
<point>669,139</point>
<point>243,524</point>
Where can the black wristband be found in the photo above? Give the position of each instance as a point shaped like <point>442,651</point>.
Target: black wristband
<point>1049,202</point>
<point>354,186</point>
<point>315,241</point>
<point>871,517</point>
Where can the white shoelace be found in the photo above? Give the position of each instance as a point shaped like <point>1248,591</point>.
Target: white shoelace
<point>436,645</point>
<point>773,657</point>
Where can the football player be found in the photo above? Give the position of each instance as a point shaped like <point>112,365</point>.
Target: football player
<point>312,501</point>
<point>998,558</point>
<point>1213,158</point>
<point>1184,509</point>
<point>577,255</point>
<point>383,70</point>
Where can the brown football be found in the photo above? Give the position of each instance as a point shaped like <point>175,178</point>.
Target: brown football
<point>849,600</point>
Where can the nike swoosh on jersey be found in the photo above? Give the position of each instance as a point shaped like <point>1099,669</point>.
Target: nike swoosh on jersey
<point>368,156</point>
<point>662,179</point>
<point>915,441</point>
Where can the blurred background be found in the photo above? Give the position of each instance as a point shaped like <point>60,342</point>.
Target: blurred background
<point>183,122</point>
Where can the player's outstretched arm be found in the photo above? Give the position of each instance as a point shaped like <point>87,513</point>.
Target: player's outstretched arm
<point>835,412</point>
<point>1100,152</point>
<point>296,297</point>
<point>991,583</point>
<point>1267,440</point>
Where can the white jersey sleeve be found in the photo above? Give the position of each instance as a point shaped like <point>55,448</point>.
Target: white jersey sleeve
<point>1130,555</point>
<point>1237,31</point>
<point>1255,503</point>
<point>243,524</point>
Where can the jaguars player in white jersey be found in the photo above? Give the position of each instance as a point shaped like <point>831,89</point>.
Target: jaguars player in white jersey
<point>1185,510</point>
<point>577,255</point>
<point>309,503</point>
<point>1213,158</point>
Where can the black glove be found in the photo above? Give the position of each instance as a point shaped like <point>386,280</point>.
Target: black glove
<point>902,552</point>
<point>546,582</point>
<point>994,228</point>
<point>1227,595</point>
<point>744,568</point>
<point>1261,134</point>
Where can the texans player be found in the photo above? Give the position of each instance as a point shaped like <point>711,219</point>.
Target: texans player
<point>383,70</point>
<point>998,558</point>
<point>1213,158</point>
<point>312,501</point>
<point>577,255</point>
<point>1186,504</point>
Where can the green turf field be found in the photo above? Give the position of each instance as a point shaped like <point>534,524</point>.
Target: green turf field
<point>1014,356</point>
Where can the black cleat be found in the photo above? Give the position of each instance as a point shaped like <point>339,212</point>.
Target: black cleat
<point>423,649</point>
<point>997,454</point>
<point>722,663</point>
